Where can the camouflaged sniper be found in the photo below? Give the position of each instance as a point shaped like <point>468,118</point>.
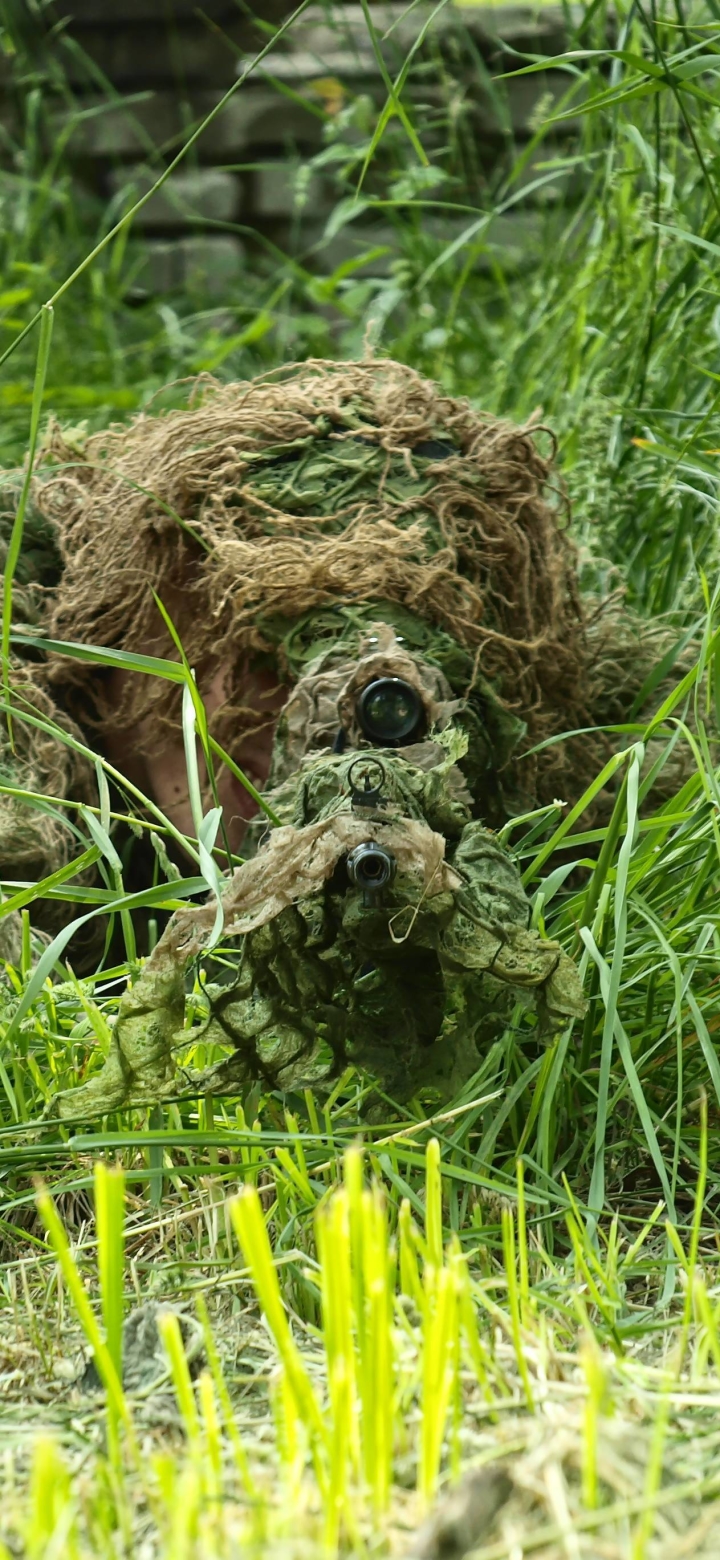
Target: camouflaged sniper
<point>384,552</point>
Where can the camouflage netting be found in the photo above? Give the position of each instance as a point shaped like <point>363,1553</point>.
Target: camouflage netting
<point>332,488</point>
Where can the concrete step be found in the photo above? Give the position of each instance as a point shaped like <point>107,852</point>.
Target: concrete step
<point>137,45</point>
<point>213,265</point>
<point>134,43</point>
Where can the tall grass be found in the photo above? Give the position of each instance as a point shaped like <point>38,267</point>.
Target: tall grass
<point>429,1300</point>
<point>613,334</point>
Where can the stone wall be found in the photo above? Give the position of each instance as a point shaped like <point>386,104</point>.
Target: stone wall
<point>126,80</point>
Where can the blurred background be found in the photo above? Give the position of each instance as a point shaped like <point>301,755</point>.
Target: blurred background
<point>118,88</point>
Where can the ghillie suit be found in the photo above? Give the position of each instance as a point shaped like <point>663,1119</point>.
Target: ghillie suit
<point>380,925</point>
<point>279,517</point>
<point>390,560</point>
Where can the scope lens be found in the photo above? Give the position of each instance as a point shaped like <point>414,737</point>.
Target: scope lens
<point>390,711</point>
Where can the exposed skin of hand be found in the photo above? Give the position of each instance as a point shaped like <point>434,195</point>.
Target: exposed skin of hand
<point>162,774</point>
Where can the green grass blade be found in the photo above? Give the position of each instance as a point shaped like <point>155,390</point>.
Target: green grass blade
<point>16,535</point>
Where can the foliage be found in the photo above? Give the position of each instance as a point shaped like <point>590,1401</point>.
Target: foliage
<point>579,1291</point>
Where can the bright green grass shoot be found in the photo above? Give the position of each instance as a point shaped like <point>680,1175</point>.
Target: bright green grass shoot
<point>363,1395</point>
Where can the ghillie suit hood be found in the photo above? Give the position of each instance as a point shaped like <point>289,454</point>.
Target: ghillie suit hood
<point>276,516</point>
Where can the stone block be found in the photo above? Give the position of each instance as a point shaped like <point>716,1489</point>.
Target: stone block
<point>369,250</point>
<point>257,115</point>
<point>210,266</point>
<point>334,39</point>
<point>260,115</point>
<point>188,196</point>
<point>279,190</point>
<point>132,127</point>
<point>539,29</point>
<point>541,184</point>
